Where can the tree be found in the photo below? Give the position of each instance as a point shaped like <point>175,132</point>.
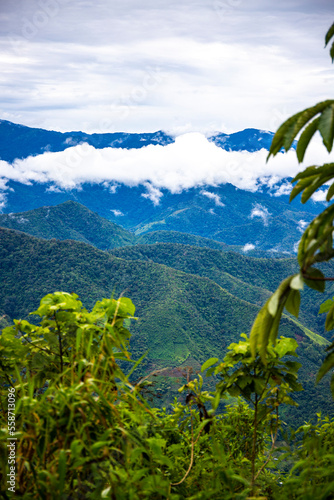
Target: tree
<point>316,244</point>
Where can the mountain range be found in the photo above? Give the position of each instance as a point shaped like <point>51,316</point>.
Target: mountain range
<point>223,212</point>
<point>192,301</point>
<point>198,264</point>
<point>19,141</point>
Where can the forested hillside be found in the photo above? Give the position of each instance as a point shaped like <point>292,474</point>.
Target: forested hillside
<point>191,302</point>
<point>69,220</point>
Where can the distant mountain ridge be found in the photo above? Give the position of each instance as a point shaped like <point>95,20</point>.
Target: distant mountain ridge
<point>19,141</point>
<point>265,222</point>
<point>179,250</point>
<point>259,221</point>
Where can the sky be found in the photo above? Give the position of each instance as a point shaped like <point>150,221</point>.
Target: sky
<point>177,65</point>
<point>188,67</point>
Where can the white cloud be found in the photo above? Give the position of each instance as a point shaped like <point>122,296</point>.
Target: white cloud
<point>154,194</point>
<point>116,212</point>
<point>302,225</point>
<point>260,211</point>
<point>284,189</point>
<point>192,161</point>
<point>248,247</point>
<point>214,197</point>
<point>319,196</point>
<point>295,246</point>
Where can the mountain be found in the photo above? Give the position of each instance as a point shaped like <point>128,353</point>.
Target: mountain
<point>250,139</point>
<point>261,220</point>
<point>183,317</point>
<point>19,141</point>
<point>248,278</point>
<point>69,220</point>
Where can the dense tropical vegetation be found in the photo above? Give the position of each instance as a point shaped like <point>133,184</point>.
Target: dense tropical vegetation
<point>74,401</point>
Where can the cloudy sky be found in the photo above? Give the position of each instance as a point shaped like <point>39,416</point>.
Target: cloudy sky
<point>176,65</point>
<point>189,67</point>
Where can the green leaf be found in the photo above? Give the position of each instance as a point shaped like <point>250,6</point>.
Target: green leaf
<point>318,283</point>
<point>326,126</point>
<point>62,471</point>
<point>325,306</point>
<point>332,385</point>
<point>329,324</point>
<point>297,282</point>
<point>126,307</point>
<point>331,52</point>
<point>305,138</point>
<point>273,303</point>
<point>329,34</point>
<point>288,131</point>
<point>330,192</point>
<point>293,366</point>
<point>293,302</point>
<point>216,401</point>
<point>285,346</point>
<point>209,362</point>
<point>106,492</point>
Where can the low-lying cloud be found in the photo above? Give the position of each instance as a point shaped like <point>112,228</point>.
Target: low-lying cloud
<point>260,211</point>
<point>192,161</point>
<point>248,247</point>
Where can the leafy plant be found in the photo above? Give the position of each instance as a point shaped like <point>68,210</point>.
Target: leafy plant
<point>316,244</point>
<point>265,386</point>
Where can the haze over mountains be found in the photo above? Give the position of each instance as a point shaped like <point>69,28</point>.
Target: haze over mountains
<point>33,176</point>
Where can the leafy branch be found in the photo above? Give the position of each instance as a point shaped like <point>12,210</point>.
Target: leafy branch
<point>316,244</point>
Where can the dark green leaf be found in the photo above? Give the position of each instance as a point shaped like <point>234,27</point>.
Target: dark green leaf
<point>318,283</point>
<point>305,138</point>
<point>326,126</point>
<point>329,324</point>
<point>288,131</point>
<point>329,34</point>
<point>293,302</point>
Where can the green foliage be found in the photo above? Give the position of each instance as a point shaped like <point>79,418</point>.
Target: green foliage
<point>316,244</point>
<point>83,430</point>
<point>265,385</point>
<point>191,302</point>
<point>310,453</point>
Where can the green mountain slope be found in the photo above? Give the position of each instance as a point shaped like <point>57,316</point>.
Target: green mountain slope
<point>183,318</point>
<point>198,241</point>
<point>251,279</point>
<point>69,220</point>
<point>173,307</point>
